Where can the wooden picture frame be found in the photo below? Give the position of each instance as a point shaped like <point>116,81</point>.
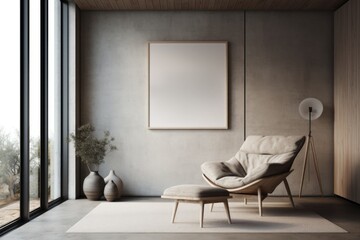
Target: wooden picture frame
<point>188,85</point>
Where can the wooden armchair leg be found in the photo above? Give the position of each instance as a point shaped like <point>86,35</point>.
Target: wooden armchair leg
<point>260,201</point>
<point>289,192</point>
<point>226,205</point>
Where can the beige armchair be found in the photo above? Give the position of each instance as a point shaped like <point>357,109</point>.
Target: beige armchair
<point>261,164</point>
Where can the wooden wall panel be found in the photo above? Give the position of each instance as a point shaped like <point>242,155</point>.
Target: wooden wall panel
<point>347,101</point>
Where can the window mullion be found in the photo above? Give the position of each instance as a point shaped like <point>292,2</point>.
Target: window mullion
<point>44,193</point>
<point>24,111</point>
<point>64,99</point>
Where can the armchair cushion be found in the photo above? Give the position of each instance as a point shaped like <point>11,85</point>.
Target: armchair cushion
<point>217,170</point>
<point>258,157</point>
<point>272,145</point>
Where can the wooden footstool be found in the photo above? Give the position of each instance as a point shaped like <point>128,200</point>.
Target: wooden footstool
<point>197,194</point>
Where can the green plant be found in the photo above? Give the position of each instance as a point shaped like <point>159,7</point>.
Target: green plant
<point>89,148</point>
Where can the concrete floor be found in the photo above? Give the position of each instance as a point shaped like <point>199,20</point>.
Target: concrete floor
<point>55,223</point>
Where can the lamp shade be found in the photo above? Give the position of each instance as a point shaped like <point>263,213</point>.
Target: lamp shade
<point>315,104</point>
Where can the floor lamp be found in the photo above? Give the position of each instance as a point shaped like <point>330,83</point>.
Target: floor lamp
<point>310,109</point>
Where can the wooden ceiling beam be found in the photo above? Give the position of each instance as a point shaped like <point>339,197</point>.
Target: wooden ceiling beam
<point>209,5</point>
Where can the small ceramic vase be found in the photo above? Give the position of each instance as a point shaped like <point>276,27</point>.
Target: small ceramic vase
<point>111,192</point>
<point>116,180</point>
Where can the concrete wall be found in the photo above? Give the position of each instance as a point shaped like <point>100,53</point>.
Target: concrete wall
<point>114,95</point>
<point>288,58</point>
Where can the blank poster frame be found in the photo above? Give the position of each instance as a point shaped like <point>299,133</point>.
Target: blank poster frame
<point>170,68</point>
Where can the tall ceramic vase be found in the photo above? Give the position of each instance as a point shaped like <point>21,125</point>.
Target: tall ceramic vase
<point>119,184</point>
<point>93,186</point>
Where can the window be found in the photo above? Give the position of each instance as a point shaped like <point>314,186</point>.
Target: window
<point>33,105</point>
<point>10,111</point>
<point>54,101</point>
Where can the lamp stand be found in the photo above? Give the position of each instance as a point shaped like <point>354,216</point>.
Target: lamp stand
<point>310,144</point>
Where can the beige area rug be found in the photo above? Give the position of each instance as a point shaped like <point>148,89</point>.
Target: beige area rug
<point>154,217</point>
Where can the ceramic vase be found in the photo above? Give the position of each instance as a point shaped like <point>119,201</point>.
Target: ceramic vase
<point>119,184</point>
<point>111,191</point>
<point>93,186</point>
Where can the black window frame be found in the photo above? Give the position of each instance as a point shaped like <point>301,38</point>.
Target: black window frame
<point>25,214</point>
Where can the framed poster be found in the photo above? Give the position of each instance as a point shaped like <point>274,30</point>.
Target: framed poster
<point>188,85</point>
